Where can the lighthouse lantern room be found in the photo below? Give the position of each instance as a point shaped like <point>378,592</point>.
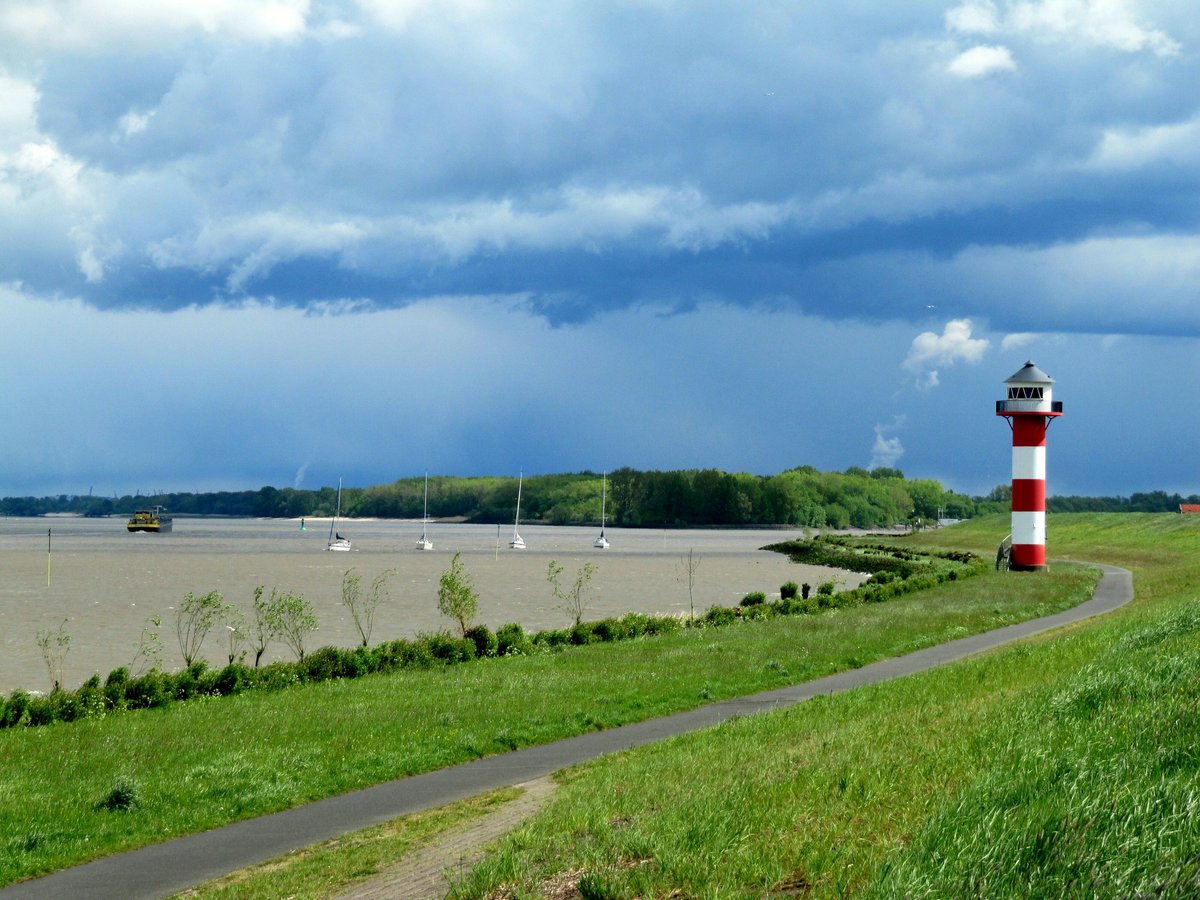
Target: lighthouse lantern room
<point>1029,409</point>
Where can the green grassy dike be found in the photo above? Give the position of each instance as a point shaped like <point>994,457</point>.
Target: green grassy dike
<point>1064,766</point>
<point>73,792</point>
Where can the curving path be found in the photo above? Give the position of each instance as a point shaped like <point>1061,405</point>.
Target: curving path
<point>184,862</point>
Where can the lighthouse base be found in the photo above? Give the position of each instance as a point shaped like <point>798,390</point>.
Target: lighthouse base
<point>1025,567</point>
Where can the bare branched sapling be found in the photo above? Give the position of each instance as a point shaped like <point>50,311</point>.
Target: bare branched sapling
<point>194,620</point>
<point>149,653</point>
<point>573,599</point>
<point>55,645</point>
<point>237,632</point>
<point>364,606</point>
<point>686,572</point>
<point>262,630</point>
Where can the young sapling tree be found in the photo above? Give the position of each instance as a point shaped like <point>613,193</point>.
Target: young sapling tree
<point>291,618</point>
<point>456,595</point>
<point>574,598</point>
<point>149,653</point>
<point>262,629</point>
<point>236,628</point>
<point>364,606</point>
<point>55,645</point>
<point>194,620</point>
<point>686,572</point>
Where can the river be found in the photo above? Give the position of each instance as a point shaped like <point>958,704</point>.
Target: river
<point>102,583</point>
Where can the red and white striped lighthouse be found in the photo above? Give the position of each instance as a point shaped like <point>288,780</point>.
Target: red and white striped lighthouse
<point>1029,409</point>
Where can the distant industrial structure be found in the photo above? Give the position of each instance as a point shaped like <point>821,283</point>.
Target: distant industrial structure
<point>1029,409</point>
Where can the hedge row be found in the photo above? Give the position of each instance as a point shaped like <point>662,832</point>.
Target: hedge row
<point>153,689</point>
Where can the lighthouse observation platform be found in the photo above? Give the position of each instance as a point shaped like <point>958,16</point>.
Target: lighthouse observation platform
<point>1029,407</point>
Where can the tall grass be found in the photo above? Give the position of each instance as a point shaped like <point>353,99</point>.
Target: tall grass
<point>1066,765</point>
<point>201,764</point>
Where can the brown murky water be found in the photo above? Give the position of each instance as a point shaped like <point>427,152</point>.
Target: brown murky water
<point>105,582</point>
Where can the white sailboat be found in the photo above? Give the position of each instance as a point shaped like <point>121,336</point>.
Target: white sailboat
<point>601,543</point>
<point>517,542</point>
<point>336,541</point>
<point>425,543</point>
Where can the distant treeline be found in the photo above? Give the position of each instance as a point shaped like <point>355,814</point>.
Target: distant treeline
<point>698,497</point>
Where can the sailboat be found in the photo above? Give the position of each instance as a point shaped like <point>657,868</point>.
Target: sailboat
<point>425,543</point>
<point>517,542</point>
<point>601,543</point>
<point>336,541</point>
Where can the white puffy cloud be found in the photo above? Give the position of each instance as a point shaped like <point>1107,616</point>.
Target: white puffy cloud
<point>92,25</point>
<point>982,60</point>
<point>887,449</point>
<point>1131,148</point>
<point>973,17</point>
<point>1017,340</point>
<point>1108,23</point>
<point>929,351</point>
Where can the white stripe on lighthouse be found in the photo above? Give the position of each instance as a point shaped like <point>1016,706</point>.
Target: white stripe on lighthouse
<point>1029,527</point>
<point>1029,462</point>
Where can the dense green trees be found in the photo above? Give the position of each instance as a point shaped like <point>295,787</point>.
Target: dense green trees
<point>802,496</point>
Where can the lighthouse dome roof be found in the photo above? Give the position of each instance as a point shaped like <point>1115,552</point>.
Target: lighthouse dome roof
<point>1029,374</point>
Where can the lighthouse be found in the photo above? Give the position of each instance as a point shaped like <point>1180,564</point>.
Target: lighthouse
<point>1029,409</point>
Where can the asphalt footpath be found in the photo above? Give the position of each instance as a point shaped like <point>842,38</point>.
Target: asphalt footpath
<point>178,864</point>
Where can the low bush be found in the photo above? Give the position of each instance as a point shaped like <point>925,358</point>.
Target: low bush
<point>720,615</point>
<point>486,643</point>
<point>788,590</point>
<point>511,639</point>
<point>754,598</point>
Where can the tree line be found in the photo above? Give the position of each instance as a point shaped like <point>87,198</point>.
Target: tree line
<point>802,496</point>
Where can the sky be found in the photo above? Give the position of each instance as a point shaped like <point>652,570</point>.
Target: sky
<point>283,242</point>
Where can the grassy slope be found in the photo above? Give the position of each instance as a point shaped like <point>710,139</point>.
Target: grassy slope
<point>1064,766</point>
<point>204,763</point>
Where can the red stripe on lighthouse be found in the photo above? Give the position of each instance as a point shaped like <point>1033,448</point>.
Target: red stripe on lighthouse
<point>1028,556</point>
<point>1029,431</point>
<point>1028,495</point>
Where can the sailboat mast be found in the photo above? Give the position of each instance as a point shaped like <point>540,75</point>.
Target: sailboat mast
<point>603,499</point>
<point>517,520</point>
<point>425,516</point>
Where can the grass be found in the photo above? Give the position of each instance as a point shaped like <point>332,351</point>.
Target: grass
<point>1064,766</point>
<point>201,764</point>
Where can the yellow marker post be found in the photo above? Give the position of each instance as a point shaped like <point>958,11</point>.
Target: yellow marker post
<point>48,531</point>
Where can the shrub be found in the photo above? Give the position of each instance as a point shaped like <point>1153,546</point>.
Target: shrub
<point>610,630</point>
<point>583,633</point>
<point>662,624</point>
<point>16,710</point>
<point>788,590</point>
<point>448,649</point>
<point>148,691</point>
<point>124,794</point>
<point>552,638</point>
<point>826,588</point>
<point>754,598</point>
<point>485,642</point>
<point>805,590</point>
<point>720,615</point>
<point>325,664</point>
<point>511,639</point>
<point>637,624</point>
<point>756,611</point>
<point>232,679</point>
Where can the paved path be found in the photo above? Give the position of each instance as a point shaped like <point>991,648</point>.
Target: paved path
<point>184,862</point>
